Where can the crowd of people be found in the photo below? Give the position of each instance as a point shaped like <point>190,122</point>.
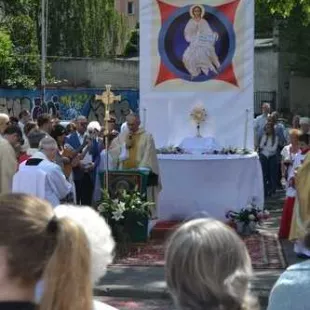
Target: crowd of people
<point>282,152</point>
<point>54,246</point>
<point>272,138</point>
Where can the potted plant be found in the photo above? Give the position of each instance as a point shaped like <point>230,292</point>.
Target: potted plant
<point>128,215</point>
<point>246,220</point>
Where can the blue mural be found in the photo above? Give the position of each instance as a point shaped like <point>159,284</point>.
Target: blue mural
<point>67,104</point>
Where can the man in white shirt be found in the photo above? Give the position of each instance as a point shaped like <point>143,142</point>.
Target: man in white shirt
<point>260,122</point>
<point>40,176</point>
<point>24,117</point>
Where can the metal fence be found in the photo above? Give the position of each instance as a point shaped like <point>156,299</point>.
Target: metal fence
<point>264,96</point>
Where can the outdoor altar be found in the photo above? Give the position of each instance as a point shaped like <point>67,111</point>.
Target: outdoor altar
<point>201,178</point>
<point>208,185</point>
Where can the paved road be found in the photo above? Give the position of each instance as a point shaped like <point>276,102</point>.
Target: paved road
<point>144,287</point>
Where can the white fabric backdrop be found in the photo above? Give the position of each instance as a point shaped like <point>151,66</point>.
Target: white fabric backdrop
<point>210,184</point>
<point>166,107</point>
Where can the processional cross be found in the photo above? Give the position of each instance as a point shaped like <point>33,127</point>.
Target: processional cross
<point>107,98</point>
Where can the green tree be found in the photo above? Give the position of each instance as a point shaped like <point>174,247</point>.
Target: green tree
<point>285,8</point>
<point>6,51</point>
<point>132,46</point>
<point>85,28</point>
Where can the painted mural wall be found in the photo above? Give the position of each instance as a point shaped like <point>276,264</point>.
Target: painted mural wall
<point>67,103</point>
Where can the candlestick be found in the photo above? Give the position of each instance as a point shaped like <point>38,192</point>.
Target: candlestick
<point>144,117</point>
<point>246,129</point>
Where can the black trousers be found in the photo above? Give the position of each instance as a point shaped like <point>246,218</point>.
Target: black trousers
<point>84,190</point>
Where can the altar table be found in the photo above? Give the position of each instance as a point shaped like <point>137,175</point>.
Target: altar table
<point>208,185</point>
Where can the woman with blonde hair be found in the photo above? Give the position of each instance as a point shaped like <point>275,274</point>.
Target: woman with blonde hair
<point>208,267</point>
<point>36,243</point>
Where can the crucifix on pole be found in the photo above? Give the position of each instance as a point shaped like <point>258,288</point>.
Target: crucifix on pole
<point>107,98</point>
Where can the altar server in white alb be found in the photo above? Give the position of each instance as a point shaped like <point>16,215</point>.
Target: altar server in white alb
<point>135,149</point>
<point>41,177</point>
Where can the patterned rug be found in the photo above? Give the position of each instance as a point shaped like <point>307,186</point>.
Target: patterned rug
<point>264,248</point>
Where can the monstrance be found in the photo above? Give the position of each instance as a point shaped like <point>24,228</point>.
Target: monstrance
<point>198,115</point>
<point>107,98</point>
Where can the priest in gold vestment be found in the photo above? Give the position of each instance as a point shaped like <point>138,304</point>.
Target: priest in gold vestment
<point>135,149</point>
<point>301,216</point>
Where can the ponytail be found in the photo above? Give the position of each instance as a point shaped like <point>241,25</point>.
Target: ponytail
<point>67,284</point>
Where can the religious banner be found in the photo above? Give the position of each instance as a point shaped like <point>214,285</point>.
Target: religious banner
<point>197,54</point>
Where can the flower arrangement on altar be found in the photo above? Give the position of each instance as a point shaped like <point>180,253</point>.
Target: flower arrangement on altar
<point>232,151</point>
<point>199,116</point>
<point>170,150</point>
<point>127,213</point>
<point>246,220</point>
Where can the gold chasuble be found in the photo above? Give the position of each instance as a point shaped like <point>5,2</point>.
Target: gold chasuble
<point>131,162</point>
<point>301,215</point>
<point>141,153</point>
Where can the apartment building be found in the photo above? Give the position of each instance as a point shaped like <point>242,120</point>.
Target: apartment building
<point>129,8</point>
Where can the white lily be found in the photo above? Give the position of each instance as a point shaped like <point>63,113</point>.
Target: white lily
<point>117,215</point>
<point>121,206</point>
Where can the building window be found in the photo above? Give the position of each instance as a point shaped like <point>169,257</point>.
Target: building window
<point>130,8</point>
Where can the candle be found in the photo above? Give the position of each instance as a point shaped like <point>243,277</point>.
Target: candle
<point>246,129</point>
<point>144,117</point>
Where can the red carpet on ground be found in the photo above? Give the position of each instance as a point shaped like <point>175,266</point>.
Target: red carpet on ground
<point>264,249</point>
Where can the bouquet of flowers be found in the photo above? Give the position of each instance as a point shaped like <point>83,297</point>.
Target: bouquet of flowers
<point>126,203</point>
<point>170,150</point>
<point>232,151</point>
<point>247,215</point>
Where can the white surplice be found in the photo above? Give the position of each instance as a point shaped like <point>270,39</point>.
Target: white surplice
<point>56,187</point>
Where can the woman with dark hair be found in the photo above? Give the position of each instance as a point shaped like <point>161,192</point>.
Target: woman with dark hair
<point>268,158</point>
<point>59,134</point>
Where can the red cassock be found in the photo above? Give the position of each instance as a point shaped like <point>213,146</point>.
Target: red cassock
<point>23,157</point>
<point>286,218</point>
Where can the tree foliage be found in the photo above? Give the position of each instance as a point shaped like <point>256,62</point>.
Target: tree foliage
<point>85,28</point>
<point>76,28</point>
<point>132,46</point>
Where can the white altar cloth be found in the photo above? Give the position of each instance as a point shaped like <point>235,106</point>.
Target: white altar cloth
<point>199,145</point>
<point>208,185</point>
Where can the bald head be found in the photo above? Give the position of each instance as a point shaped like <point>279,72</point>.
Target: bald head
<point>4,122</point>
<point>133,122</point>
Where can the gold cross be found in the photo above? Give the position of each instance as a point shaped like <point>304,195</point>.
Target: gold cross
<point>108,97</point>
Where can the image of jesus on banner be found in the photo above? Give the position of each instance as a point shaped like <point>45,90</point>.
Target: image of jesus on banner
<point>200,55</point>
